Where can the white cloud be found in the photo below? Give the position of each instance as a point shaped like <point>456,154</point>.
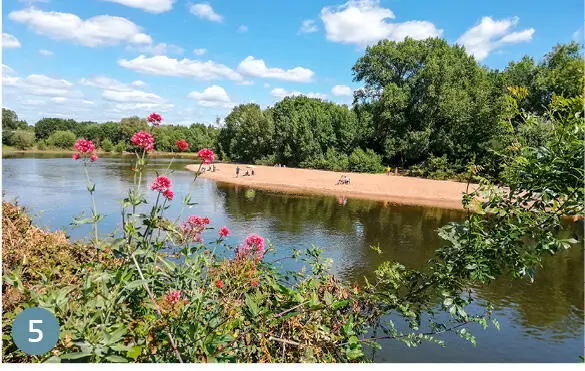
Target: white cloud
<point>257,68</point>
<point>205,11</point>
<point>282,93</point>
<point>165,66</point>
<point>151,6</point>
<point>106,83</point>
<point>308,26</point>
<point>46,52</point>
<point>140,108</point>
<point>157,49</point>
<point>266,85</point>
<point>243,29</point>
<point>133,96</point>
<point>364,22</point>
<point>7,71</point>
<point>101,30</point>
<point>341,91</point>
<point>214,96</point>
<point>491,34</point>
<point>36,85</point>
<point>9,41</point>
<point>199,51</point>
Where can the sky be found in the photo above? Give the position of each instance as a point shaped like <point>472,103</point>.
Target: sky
<point>102,60</point>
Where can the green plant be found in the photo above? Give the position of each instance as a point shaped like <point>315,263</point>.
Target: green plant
<point>365,161</point>
<point>107,145</point>
<point>22,139</point>
<point>42,145</point>
<point>62,139</point>
<point>120,147</point>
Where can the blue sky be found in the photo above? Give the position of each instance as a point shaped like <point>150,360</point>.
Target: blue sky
<point>191,61</point>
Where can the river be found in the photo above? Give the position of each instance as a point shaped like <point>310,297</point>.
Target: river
<point>540,322</point>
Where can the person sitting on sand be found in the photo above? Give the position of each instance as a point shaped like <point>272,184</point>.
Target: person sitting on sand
<point>247,173</point>
<point>341,180</point>
<point>253,172</point>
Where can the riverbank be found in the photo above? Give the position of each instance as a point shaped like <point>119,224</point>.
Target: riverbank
<point>6,150</point>
<point>380,187</point>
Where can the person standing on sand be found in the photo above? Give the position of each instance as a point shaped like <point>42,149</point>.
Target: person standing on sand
<point>237,171</point>
<point>388,170</point>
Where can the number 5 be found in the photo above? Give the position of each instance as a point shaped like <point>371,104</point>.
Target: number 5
<point>31,329</point>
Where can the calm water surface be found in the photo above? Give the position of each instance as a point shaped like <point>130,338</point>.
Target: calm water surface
<point>540,322</point>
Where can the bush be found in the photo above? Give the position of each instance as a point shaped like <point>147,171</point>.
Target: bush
<point>120,147</point>
<point>107,145</point>
<point>62,139</point>
<point>42,145</point>
<point>269,160</point>
<point>22,139</point>
<point>365,161</point>
<point>438,168</point>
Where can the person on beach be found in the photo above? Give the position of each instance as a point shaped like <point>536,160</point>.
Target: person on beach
<point>388,168</point>
<point>253,172</point>
<point>237,171</point>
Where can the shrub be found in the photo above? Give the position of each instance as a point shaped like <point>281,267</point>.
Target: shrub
<point>269,160</point>
<point>438,168</point>
<point>22,139</point>
<point>365,161</point>
<point>42,145</point>
<point>120,147</point>
<point>62,139</point>
<point>107,145</point>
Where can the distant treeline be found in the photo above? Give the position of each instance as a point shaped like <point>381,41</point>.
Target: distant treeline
<point>425,106</point>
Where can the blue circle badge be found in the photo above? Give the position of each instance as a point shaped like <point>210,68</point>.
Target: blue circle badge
<point>35,331</point>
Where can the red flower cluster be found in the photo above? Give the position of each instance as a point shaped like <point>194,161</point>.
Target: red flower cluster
<point>182,145</point>
<point>84,147</point>
<point>224,232</point>
<point>194,226</point>
<point>206,155</point>
<point>253,246</point>
<point>155,119</point>
<point>219,284</point>
<point>162,184</point>
<point>144,140</point>
<point>254,283</point>
<point>174,296</point>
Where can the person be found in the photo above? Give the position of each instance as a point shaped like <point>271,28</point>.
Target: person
<point>237,171</point>
<point>252,172</point>
<point>341,180</point>
<point>247,173</point>
<point>388,170</point>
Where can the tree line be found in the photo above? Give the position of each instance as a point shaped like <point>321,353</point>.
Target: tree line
<point>425,107</point>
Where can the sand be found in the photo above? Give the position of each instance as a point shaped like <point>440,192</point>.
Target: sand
<point>381,187</point>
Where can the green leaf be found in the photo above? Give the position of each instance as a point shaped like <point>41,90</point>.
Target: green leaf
<point>76,355</point>
<point>116,359</point>
<point>135,352</point>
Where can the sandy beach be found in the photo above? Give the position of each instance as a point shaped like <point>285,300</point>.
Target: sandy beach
<point>381,187</point>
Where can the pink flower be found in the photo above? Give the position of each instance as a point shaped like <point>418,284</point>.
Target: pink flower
<point>206,155</point>
<point>182,145</point>
<point>155,119</point>
<point>219,284</point>
<point>84,146</point>
<point>224,232</point>
<point>169,194</point>
<point>144,140</point>
<point>174,296</point>
<point>253,246</point>
<point>254,283</point>
<point>161,184</point>
<point>93,157</point>
<point>76,156</point>
<point>194,226</point>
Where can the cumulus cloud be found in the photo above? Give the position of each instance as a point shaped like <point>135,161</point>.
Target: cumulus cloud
<point>37,85</point>
<point>151,6</point>
<point>364,22</point>
<point>205,11</point>
<point>199,51</point>
<point>157,49</point>
<point>101,30</point>
<point>106,83</point>
<point>257,68</point>
<point>342,91</point>
<point>132,96</point>
<point>9,41</point>
<point>214,96</point>
<point>140,108</point>
<point>282,93</point>
<point>491,34</point>
<point>165,66</point>
<point>308,26</point>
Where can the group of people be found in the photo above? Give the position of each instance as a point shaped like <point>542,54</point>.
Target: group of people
<point>247,173</point>
<point>279,165</point>
<point>344,180</point>
<point>211,168</point>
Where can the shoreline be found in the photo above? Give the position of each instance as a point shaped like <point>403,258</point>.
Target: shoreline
<point>378,187</point>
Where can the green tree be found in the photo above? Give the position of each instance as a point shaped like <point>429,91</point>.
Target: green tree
<point>107,145</point>
<point>22,139</point>
<point>365,161</point>
<point>62,139</point>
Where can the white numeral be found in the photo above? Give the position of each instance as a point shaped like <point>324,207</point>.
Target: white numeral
<point>32,329</point>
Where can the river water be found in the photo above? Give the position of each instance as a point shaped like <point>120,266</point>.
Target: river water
<point>540,322</point>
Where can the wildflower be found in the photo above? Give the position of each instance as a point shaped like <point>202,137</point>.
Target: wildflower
<point>194,226</point>
<point>144,140</point>
<point>224,232</point>
<point>182,145</point>
<point>155,119</point>
<point>169,194</point>
<point>93,157</point>
<point>254,283</point>
<point>219,284</point>
<point>174,296</point>
<point>206,155</point>
<point>186,301</point>
<point>84,146</point>
<point>161,184</point>
<point>254,243</point>
<point>76,156</point>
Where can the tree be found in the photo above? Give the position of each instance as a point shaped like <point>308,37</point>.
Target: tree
<point>130,125</point>
<point>22,139</point>
<point>248,133</point>
<point>107,145</point>
<point>62,139</point>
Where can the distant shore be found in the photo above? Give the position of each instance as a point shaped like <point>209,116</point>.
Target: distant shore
<point>380,187</point>
<point>6,150</point>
